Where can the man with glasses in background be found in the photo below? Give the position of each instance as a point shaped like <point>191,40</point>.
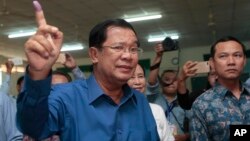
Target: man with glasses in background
<point>163,91</point>
<point>102,107</point>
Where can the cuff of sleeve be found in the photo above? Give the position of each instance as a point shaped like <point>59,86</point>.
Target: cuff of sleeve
<point>75,70</point>
<point>37,88</point>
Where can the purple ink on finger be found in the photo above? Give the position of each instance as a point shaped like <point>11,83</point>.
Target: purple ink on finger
<point>37,5</point>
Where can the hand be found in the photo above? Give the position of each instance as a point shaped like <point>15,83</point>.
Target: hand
<point>188,70</point>
<point>70,62</point>
<point>159,49</point>
<point>9,65</point>
<point>43,48</point>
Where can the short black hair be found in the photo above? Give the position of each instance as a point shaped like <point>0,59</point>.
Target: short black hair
<point>163,73</point>
<point>169,70</point>
<point>20,80</point>
<point>64,74</point>
<point>98,34</point>
<point>225,39</point>
<point>143,69</point>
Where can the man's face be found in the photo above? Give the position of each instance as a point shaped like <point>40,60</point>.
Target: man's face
<point>229,60</point>
<point>118,66</point>
<point>169,83</point>
<point>19,87</point>
<point>138,81</point>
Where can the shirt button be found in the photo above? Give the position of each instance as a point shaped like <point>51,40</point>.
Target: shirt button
<point>119,131</point>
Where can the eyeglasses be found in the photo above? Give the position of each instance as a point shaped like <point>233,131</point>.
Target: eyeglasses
<point>120,48</point>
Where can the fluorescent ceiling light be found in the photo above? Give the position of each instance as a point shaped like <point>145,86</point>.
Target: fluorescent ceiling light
<point>161,38</point>
<point>21,34</point>
<point>143,18</point>
<point>72,47</point>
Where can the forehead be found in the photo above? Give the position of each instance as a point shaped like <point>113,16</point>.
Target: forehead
<point>228,47</point>
<point>139,70</point>
<point>59,76</point>
<point>169,75</point>
<point>121,34</point>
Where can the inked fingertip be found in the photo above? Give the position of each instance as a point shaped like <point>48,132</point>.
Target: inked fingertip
<point>37,5</point>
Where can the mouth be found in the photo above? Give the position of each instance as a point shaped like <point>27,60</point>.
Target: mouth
<point>231,70</point>
<point>138,88</point>
<point>125,68</point>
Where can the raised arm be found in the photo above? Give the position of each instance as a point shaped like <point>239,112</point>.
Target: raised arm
<point>42,50</point>
<point>5,87</point>
<point>183,93</point>
<point>155,67</point>
<point>186,72</point>
<point>71,64</point>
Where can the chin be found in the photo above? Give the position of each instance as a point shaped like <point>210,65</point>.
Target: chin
<point>231,77</point>
<point>125,75</point>
<point>124,78</point>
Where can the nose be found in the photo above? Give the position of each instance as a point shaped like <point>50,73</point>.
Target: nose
<point>137,81</point>
<point>231,60</point>
<point>126,53</point>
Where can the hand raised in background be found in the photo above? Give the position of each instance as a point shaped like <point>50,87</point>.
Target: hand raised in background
<point>9,66</point>
<point>188,70</point>
<point>159,49</point>
<point>69,61</point>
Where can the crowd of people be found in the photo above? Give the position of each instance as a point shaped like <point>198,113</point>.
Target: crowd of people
<point>117,102</point>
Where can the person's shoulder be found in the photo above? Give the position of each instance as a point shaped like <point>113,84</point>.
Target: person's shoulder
<point>155,107</point>
<point>3,95</point>
<point>140,97</point>
<point>210,97</point>
<point>71,88</point>
<point>70,85</point>
<point>248,82</point>
<point>206,94</point>
<point>205,97</point>
<point>138,94</point>
<point>5,98</point>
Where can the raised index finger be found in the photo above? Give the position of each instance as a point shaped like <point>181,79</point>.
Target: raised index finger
<point>40,19</point>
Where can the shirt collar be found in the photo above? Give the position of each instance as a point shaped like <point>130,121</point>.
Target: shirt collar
<point>174,100</point>
<point>246,88</point>
<point>95,91</point>
<point>223,92</point>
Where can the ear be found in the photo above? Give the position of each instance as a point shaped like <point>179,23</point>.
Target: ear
<point>93,54</point>
<point>211,63</point>
<point>245,61</point>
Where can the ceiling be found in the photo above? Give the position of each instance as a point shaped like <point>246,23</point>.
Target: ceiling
<point>197,22</point>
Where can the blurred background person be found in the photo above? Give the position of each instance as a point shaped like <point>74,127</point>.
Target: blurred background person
<point>167,97</point>
<point>138,82</point>
<point>5,87</point>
